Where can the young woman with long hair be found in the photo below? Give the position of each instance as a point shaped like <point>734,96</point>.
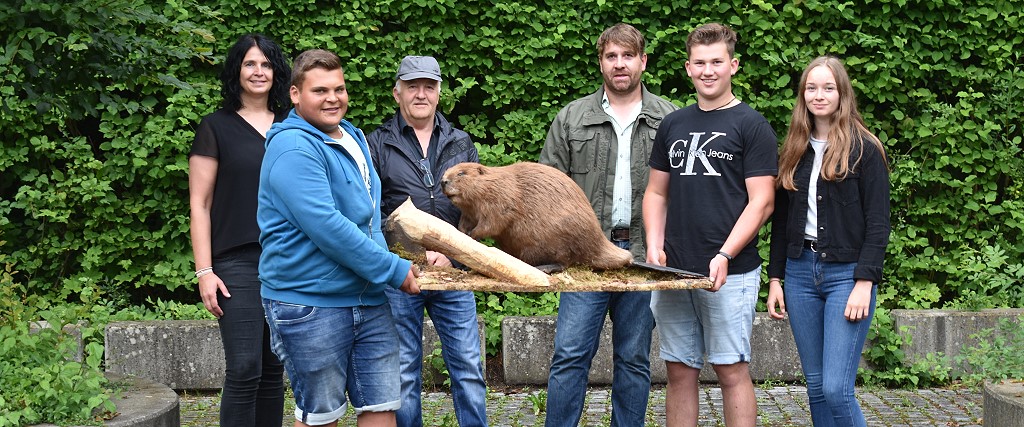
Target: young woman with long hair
<point>830,229</point>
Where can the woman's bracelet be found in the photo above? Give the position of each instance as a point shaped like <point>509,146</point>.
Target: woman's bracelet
<point>203,271</point>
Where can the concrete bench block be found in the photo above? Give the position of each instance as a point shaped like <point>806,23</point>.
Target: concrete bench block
<point>526,358</point>
<point>947,331</point>
<point>72,332</point>
<point>773,351</point>
<point>182,354</point>
<point>528,344</point>
<point>431,341</point>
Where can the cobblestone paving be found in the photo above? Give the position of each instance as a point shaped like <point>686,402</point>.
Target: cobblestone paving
<point>778,406</point>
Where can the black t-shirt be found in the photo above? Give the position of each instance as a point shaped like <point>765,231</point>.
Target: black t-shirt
<point>708,155</point>
<point>239,149</point>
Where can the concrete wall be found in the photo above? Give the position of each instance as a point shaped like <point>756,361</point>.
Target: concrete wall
<point>188,354</point>
<point>527,357</point>
<point>947,331</point>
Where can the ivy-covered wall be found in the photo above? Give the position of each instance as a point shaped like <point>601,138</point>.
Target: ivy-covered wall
<point>98,103</point>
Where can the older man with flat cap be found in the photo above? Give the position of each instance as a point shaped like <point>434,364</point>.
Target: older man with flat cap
<point>411,151</point>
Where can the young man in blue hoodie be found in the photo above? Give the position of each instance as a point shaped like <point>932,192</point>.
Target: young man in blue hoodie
<point>325,264</point>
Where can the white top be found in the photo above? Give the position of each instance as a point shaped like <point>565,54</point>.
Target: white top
<point>622,191</point>
<point>349,144</point>
<point>811,229</point>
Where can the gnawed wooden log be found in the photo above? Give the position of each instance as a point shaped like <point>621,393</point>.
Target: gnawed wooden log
<point>410,223</point>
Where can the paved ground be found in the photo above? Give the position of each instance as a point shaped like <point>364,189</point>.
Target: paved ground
<point>778,406</point>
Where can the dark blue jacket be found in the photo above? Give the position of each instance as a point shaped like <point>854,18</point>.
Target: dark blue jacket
<point>853,216</point>
<point>396,161</point>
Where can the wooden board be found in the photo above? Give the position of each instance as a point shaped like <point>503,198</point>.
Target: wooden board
<point>571,280</point>
<point>409,231</point>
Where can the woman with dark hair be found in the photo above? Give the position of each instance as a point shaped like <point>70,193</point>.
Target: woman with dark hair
<point>829,233</point>
<point>224,166</point>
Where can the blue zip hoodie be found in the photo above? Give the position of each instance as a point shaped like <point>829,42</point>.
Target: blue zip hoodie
<point>319,226</point>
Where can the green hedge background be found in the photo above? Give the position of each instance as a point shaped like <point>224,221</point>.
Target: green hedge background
<point>98,102</point>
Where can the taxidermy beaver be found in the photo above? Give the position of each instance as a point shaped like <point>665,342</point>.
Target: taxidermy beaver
<point>534,212</point>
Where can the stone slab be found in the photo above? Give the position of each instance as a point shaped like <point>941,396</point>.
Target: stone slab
<point>528,345</point>
<point>144,403</point>
<point>141,403</point>
<point>1004,403</point>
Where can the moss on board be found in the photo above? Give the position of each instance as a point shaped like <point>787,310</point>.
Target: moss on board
<point>573,279</point>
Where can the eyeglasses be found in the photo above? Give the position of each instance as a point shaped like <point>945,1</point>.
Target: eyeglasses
<point>428,178</point>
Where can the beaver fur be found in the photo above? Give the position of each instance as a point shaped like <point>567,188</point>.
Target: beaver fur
<point>534,212</point>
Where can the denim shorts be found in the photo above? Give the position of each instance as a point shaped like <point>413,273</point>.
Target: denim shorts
<point>692,323</point>
<point>331,351</point>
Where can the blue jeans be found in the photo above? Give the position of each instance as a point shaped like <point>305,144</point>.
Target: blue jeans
<point>253,393</point>
<point>577,332</point>
<point>830,346</point>
<point>454,317</point>
<point>333,351</point>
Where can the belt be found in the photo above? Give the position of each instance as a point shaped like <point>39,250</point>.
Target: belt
<point>620,234</point>
<point>811,244</point>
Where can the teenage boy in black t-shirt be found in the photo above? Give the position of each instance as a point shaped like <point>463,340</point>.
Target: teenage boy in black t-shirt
<point>712,175</point>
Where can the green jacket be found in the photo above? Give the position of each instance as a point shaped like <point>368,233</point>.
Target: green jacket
<point>582,143</point>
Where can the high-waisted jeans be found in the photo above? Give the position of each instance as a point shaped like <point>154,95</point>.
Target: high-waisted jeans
<point>830,346</point>
<point>253,393</point>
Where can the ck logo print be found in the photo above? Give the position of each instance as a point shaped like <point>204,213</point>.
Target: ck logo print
<point>684,154</point>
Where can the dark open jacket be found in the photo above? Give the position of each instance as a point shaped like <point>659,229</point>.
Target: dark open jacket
<point>396,162</point>
<point>853,216</point>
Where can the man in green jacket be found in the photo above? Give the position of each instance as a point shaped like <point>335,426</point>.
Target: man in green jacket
<point>603,141</point>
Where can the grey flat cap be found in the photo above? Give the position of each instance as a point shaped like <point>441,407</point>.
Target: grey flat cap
<point>419,67</point>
